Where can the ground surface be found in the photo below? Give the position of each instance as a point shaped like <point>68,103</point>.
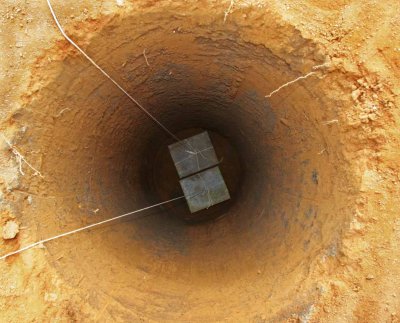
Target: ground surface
<point>358,282</point>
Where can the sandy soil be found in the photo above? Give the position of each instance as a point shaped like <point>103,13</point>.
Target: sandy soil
<point>339,266</point>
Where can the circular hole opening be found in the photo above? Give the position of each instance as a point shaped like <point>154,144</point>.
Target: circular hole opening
<point>101,157</point>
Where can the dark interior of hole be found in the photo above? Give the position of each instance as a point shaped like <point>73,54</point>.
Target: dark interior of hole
<point>159,176</point>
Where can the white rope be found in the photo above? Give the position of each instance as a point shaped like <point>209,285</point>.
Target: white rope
<point>105,73</point>
<point>86,227</point>
<point>145,57</point>
<point>20,158</point>
<point>295,80</point>
<point>228,11</point>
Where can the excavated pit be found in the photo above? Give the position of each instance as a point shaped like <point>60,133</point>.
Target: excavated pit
<point>101,156</point>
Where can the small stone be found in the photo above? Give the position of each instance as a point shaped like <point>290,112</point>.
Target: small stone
<point>10,230</point>
<point>50,297</point>
<point>363,117</point>
<point>370,277</point>
<point>285,122</point>
<point>355,94</point>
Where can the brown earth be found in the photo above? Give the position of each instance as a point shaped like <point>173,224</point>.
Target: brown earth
<point>312,232</point>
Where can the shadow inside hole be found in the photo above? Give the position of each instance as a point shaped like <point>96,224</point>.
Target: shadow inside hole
<point>162,181</point>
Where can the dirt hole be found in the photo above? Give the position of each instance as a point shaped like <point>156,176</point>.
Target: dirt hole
<point>102,156</point>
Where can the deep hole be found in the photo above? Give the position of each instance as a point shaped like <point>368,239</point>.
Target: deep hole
<point>102,153</point>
